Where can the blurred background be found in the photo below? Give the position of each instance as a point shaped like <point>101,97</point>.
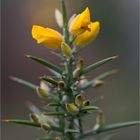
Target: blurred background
<point>118,35</point>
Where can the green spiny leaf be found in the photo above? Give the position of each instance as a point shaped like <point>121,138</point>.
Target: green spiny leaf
<point>54,113</point>
<point>90,107</point>
<point>107,128</point>
<point>54,104</point>
<point>100,77</point>
<point>71,131</point>
<point>23,122</point>
<point>106,74</point>
<point>29,123</point>
<point>50,80</point>
<point>97,64</point>
<point>45,63</point>
<point>23,82</point>
<point>118,125</point>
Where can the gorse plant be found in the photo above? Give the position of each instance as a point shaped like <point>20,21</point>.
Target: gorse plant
<point>62,92</point>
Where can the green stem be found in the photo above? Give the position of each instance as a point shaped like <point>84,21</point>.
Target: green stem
<point>80,125</point>
<point>65,22</point>
<point>71,126</point>
<point>69,72</point>
<point>69,80</point>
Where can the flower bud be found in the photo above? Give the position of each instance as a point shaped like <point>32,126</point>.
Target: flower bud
<point>44,86</point>
<point>66,50</point>
<point>41,92</point>
<point>45,127</point>
<point>76,73</point>
<point>58,18</point>
<point>34,117</point>
<point>79,100</point>
<point>86,103</point>
<point>61,84</point>
<point>83,81</point>
<point>72,108</point>
<point>80,63</point>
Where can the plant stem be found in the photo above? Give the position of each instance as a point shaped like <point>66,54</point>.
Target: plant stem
<point>80,125</point>
<point>65,22</point>
<point>71,137</point>
<point>69,72</point>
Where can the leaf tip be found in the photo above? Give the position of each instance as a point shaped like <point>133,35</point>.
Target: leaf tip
<point>12,78</point>
<point>114,57</point>
<point>42,77</point>
<point>5,121</point>
<point>28,56</point>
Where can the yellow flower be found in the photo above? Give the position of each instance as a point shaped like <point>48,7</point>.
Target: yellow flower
<point>47,36</point>
<point>80,23</point>
<point>87,36</point>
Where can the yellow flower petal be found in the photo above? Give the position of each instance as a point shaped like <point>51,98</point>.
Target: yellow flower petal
<point>47,36</point>
<point>87,36</point>
<point>80,23</point>
<point>85,18</point>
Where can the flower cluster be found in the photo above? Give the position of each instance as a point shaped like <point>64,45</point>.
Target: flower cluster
<point>80,27</point>
<point>63,91</point>
<point>71,83</point>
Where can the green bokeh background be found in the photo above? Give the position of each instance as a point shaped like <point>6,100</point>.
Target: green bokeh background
<point>118,35</point>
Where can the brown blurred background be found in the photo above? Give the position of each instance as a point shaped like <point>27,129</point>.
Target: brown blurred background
<point>119,35</point>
